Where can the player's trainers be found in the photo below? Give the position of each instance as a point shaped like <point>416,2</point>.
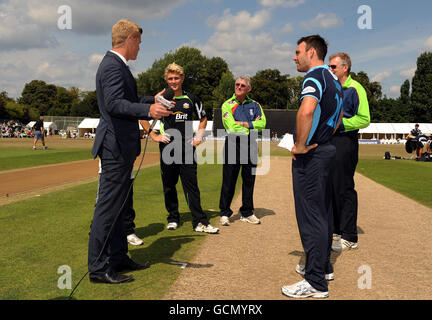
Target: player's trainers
<point>134,240</point>
<point>300,269</point>
<point>34,148</point>
<point>336,237</point>
<point>251,219</point>
<point>172,225</point>
<point>344,245</point>
<point>303,289</point>
<point>45,147</point>
<point>208,228</point>
<point>224,221</point>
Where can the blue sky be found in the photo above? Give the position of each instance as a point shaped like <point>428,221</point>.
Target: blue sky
<point>250,35</point>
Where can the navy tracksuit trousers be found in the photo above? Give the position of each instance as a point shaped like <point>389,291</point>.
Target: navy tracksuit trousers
<point>313,204</point>
<point>345,202</point>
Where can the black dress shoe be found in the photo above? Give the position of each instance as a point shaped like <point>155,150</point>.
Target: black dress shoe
<point>130,265</point>
<point>111,278</point>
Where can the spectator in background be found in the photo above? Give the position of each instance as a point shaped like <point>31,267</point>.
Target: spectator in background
<point>39,133</point>
<point>413,138</point>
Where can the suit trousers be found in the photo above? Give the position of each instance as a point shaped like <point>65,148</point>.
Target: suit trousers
<point>345,202</point>
<point>313,205</point>
<point>188,175</point>
<point>108,220</point>
<point>246,157</point>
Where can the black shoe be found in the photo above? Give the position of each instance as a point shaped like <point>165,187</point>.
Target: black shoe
<point>130,265</point>
<point>111,278</point>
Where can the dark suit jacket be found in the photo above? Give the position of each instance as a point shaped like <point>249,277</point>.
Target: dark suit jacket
<point>120,109</point>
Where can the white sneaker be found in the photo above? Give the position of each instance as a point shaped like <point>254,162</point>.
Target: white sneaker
<point>303,289</point>
<point>300,269</point>
<point>34,148</point>
<point>224,220</point>
<point>45,147</point>
<point>208,228</point>
<point>134,240</point>
<point>172,226</point>
<point>336,237</point>
<point>251,219</point>
<point>344,245</point>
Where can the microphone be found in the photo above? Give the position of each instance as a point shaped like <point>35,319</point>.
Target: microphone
<point>166,98</point>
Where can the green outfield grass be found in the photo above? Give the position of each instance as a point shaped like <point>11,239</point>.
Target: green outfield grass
<point>41,234</point>
<point>18,153</point>
<point>408,177</point>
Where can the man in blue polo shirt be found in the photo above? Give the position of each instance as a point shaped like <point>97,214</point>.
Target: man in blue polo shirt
<point>318,116</point>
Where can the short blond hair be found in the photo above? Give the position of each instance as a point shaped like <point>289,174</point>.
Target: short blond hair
<point>122,29</point>
<point>173,67</point>
<point>345,59</point>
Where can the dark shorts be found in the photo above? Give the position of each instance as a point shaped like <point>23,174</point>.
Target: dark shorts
<point>39,135</point>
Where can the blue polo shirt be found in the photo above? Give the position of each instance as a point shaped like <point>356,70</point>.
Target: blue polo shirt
<point>321,84</point>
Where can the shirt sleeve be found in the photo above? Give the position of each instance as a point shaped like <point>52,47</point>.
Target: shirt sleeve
<point>259,124</point>
<point>229,122</point>
<point>362,118</point>
<point>311,88</point>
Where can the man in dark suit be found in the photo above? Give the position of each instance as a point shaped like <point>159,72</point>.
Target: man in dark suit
<point>117,144</point>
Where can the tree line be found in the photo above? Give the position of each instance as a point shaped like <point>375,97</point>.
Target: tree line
<point>212,81</point>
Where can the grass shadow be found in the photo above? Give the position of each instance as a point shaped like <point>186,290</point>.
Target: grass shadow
<point>150,230</point>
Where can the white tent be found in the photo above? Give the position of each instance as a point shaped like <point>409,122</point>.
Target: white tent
<point>48,126</point>
<point>87,126</point>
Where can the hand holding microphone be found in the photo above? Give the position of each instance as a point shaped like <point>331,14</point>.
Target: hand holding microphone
<point>165,97</point>
<point>161,108</point>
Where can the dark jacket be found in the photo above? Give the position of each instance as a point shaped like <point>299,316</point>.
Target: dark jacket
<point>120,109</point>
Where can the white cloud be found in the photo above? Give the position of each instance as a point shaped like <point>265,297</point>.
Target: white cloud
<point>395,90</point>
<point>287,28</point>
<point>281,3</point>
<point>33,24</point>
<point>241,22</point>
<point>323,20</point>
<point>409,73</point>
<point>247,49</point>
<point>427,46</point>
<point>382,76</point>
<point>62,68</point>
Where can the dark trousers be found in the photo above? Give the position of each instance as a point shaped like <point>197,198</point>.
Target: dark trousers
<point>188,175</point>
<point>114,183</point>
<point>246,153</point>
<point>312,196</point>
<point>345,203</point>
<point>129,216</point>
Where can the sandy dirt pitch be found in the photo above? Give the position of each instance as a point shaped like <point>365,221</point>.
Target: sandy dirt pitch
<point>249,261</point>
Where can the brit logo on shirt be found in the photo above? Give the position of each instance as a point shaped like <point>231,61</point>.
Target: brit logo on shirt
<point>251,112</point>
<point>225,115</point>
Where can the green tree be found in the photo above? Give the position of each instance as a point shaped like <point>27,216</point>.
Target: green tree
<point>224,90</point>
<point>3,101</point>
<point>379,113</point>
<point>421,95</point>
<point>270,89</point>
<point>202,75</point>
<point>64,101</point>
<point>40,95</point>
<point>88,107</point>
<point>294,89</point>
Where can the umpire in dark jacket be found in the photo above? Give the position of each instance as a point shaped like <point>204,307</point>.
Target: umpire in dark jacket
<point>117,144</point>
